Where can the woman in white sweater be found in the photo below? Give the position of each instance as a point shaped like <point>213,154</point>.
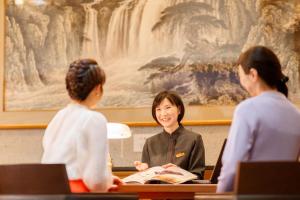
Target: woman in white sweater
<point>266,126</point>
<point>77,135</point>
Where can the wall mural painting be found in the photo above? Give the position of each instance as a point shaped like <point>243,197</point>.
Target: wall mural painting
<point>145,46</point>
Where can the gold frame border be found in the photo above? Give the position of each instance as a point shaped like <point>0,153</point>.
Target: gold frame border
<point>140,117</point>
<point>132,124</point>
<point>195,115</point>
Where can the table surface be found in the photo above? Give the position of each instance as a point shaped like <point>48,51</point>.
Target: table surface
<point>199,188</point>
<point>245,197</point>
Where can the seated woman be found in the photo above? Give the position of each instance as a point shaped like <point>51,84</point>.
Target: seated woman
<point>77,135</point>
<point>266,126</point>
<point>174,144</point>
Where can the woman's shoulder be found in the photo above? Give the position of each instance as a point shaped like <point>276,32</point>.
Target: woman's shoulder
<point>190,134</point>
<point>89,117</point>
<point>95,115</point>
<point>245,105</point>
<point>60,114</point>
<point>155,137</point>
<point>92,122</point>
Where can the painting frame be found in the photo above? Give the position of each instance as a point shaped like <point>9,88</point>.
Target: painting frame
<point>195,115</point>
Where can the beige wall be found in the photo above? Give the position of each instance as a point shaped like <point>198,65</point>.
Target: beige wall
<point>25,146</point>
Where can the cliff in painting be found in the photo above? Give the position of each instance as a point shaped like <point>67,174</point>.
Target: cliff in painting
<point>145,46</point>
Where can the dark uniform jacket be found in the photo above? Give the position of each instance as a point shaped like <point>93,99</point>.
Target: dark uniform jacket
<point>183,148</point>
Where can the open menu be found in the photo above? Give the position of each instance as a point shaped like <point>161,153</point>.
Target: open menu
<point>158,174</point>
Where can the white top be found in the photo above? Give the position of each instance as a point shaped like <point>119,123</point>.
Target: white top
<point>77,137</point>
<point>264,128</point>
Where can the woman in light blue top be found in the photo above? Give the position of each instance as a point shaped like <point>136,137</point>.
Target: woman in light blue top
<point>265,127</point>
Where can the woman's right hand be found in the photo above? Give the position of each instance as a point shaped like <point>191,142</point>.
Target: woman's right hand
<point>140,166</point>
<point>116,184</point>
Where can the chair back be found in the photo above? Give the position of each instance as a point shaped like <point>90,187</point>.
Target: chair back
<point>34,179</point>
<point>268,178</point>
<point>217,169</point>
<point>104,196</point>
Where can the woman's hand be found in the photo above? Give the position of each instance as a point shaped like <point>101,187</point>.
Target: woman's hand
<point>140,166</point>
<point>116,184</point>
<point>169,165</point>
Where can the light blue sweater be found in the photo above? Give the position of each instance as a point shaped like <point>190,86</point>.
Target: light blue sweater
<point>264,128</point>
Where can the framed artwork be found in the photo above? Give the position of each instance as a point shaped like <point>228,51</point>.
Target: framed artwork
<point>144,46</point>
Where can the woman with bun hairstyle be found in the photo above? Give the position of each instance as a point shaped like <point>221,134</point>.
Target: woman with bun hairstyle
<point>77,135</point>
<point>266,126</point>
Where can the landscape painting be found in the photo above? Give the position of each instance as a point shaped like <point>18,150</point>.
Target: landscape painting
<point>144,46</point>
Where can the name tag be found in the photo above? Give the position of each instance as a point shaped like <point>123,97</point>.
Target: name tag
<point>178,155</point>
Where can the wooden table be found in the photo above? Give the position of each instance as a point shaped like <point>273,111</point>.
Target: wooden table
<point>168,191</point>
<point>214,196</point>
<point>244,197</point>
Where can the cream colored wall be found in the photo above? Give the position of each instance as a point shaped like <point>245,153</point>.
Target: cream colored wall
<point>25,146</point>
<point>20,146</point>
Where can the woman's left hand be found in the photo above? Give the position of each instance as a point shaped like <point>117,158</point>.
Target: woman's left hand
<point>116,184</point>
<point>169,165</point>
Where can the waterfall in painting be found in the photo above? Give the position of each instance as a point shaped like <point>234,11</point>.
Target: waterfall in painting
<point>144,46</point>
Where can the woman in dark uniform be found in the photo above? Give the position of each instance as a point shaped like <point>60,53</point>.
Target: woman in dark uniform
<point>174,144</point>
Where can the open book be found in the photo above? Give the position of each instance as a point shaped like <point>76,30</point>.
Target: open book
<point>174,175</point>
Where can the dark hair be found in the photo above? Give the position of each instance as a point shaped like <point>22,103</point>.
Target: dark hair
<point>173,98</point>
<point>267,65</point>
<point>82,77</point>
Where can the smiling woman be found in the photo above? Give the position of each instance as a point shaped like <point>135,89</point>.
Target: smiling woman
<point>174,144</point>
<point>168,110</point>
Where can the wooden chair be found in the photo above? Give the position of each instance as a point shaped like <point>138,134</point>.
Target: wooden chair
<point>34,179</point>
<point>268,178</point>
<point>217,169</point>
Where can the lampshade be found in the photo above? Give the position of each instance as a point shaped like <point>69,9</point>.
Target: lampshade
<point>117,131</point>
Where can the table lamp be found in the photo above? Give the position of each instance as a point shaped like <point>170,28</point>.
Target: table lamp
<point>117,131</point>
